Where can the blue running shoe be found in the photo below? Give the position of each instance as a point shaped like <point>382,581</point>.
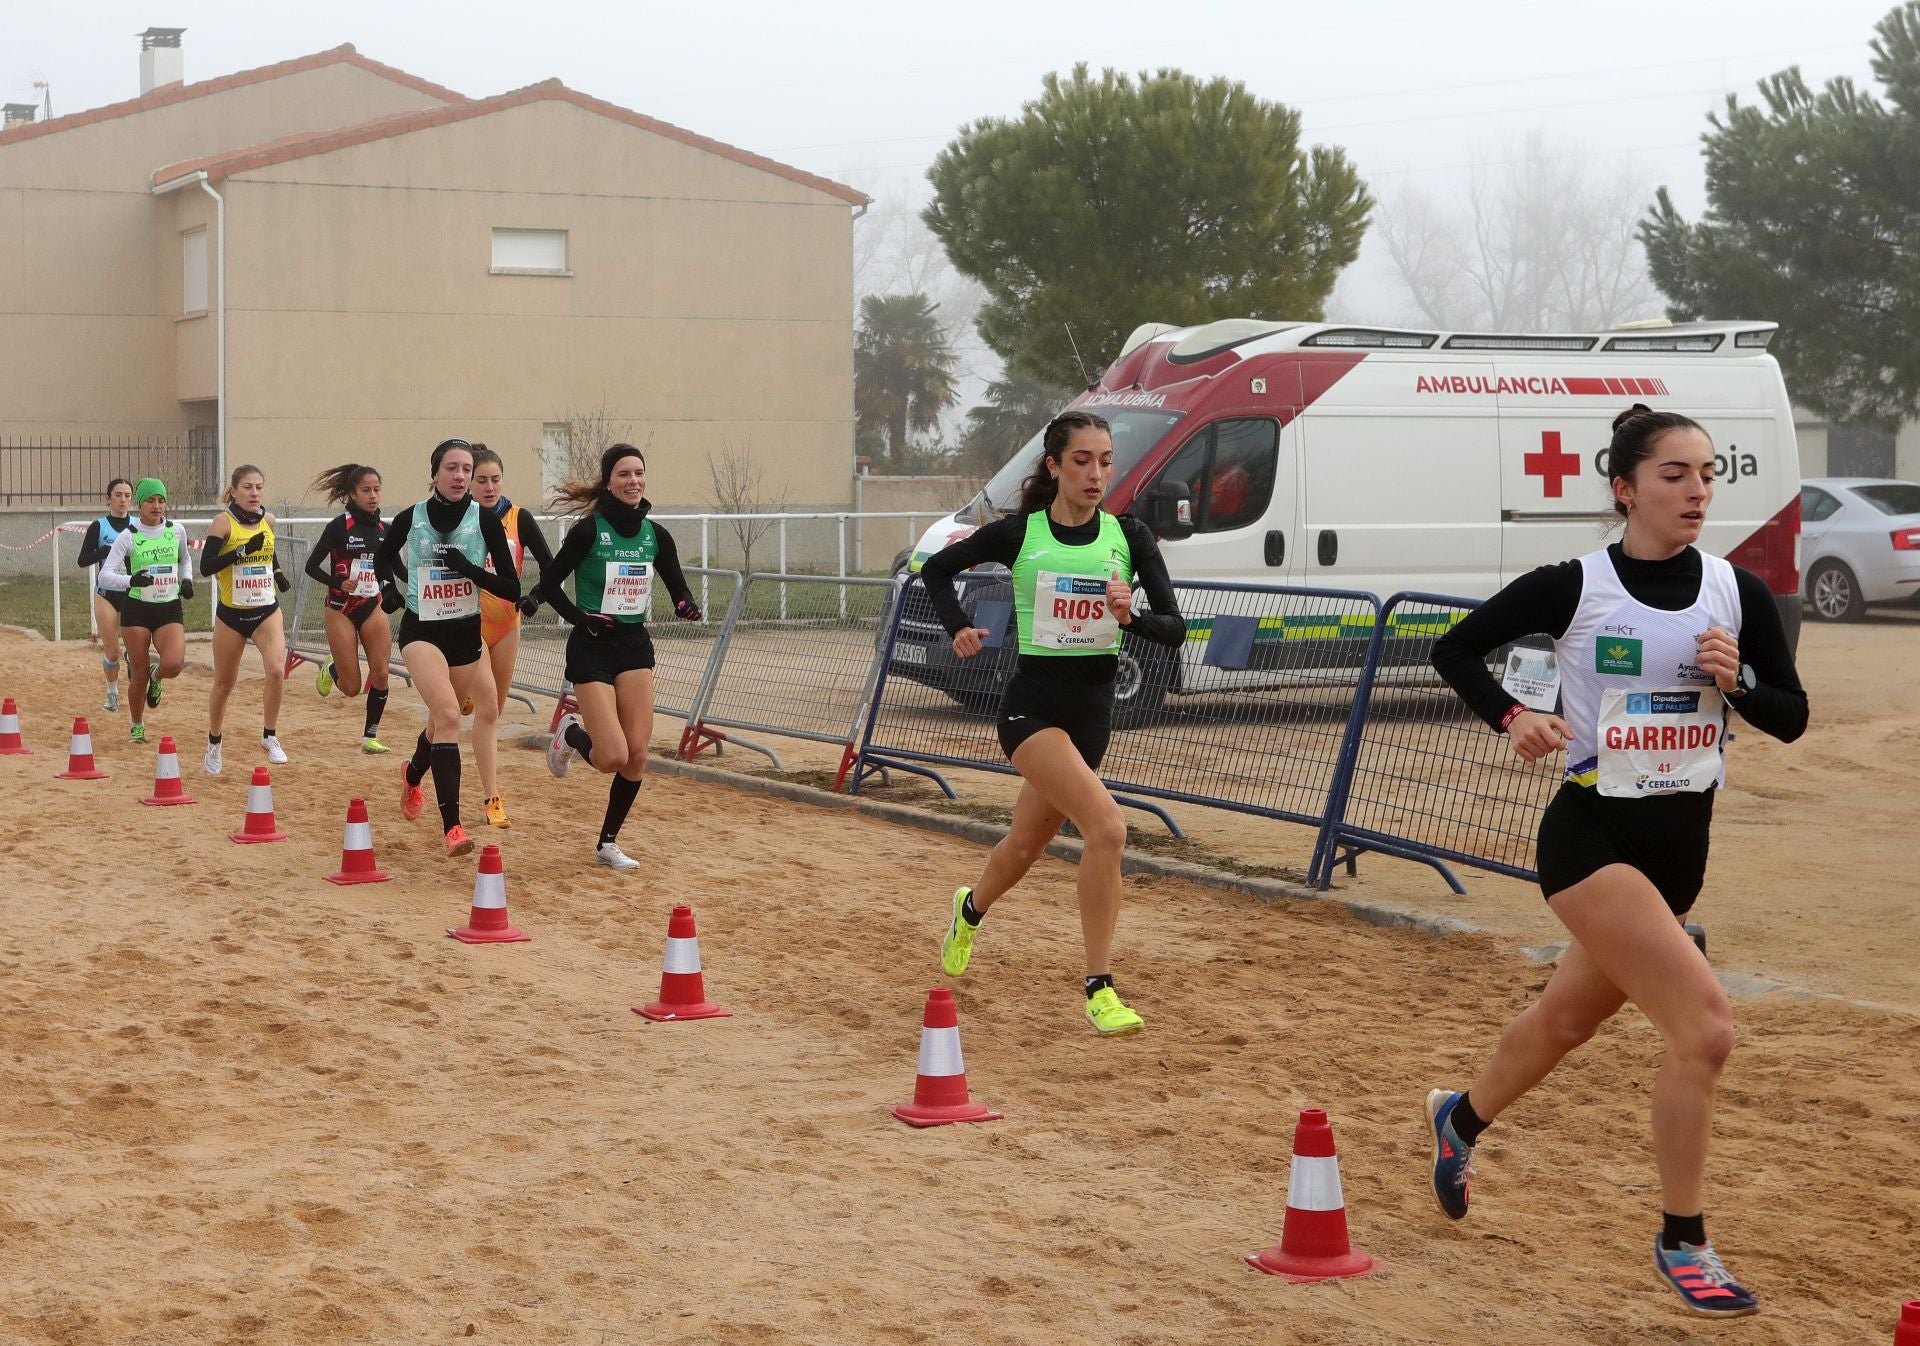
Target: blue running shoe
<point>1452,1157</point>
<point>1702,1280</point>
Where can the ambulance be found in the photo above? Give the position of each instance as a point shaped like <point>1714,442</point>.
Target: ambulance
<point>1381,459</point>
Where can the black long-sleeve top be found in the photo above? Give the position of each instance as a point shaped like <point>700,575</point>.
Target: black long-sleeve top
<point>625,520</point>
<point>999,543</point>
<point>92,549</point>
<point>443,516</point>
<point>532,540</point>
<point>354,533</point>
<point>1545,600</point>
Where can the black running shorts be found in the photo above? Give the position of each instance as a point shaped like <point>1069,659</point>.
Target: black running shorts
<point>458,640</point>
<point>140,616</point>
<point>243,620</point>
<point>628,646</point>
<point>1665,838</point>
<point>1034,701</point>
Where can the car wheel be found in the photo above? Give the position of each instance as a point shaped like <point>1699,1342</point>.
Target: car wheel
<point>1833,593</point>
<point>1141,682</point>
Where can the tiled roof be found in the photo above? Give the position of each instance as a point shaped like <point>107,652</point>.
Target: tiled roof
<point>227,163</point>
<point>168,94</point>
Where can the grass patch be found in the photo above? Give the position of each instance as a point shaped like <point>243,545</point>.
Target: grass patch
<point>27,600</point>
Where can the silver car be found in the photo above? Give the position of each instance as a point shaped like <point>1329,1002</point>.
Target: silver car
<point>1859,544</point>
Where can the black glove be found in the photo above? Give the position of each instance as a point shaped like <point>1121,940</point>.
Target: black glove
<point>140,579</point>
<point>528,604</point>
<point>253,544</point>
<point>596,624</point>
<point>391,599</point>
<point>687,610</point>
<point>186,588</point>
<point>459,564</point>
<point>281,582</point>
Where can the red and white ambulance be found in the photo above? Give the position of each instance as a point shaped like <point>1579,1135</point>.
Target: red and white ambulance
<point>1345,457</point>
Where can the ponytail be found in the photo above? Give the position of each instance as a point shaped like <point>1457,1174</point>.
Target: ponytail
<point>584,497</point>
<point>337,484</point>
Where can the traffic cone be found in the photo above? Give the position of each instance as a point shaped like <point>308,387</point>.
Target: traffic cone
<point>683,993</point>
<point>80,755</point>
<point>487,923</point>
<point>1907,1331</point>
<point>10,744</point>
<point>166,778</point>
<point>1313,1242</point>
<point>940,1087</point>
<point>259,825</point>
<point>356,852</point>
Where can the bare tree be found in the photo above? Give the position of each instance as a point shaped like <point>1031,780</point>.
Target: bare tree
<point>740,488</point>
<point>591,431</point>
<point>1542,242</point>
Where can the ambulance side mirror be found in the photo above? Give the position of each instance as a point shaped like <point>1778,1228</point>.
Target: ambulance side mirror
<point>1167,509</point>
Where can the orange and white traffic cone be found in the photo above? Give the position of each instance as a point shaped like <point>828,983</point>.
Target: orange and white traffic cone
<point>940,1088</point>
<point>166,778</point>
<point>1313,1242</point>
<point>487,922</point>
<point>356,851</point>
<point>259,825</point>
<point>80,756</point>
<point>683,991</point>
<point>10,744</point>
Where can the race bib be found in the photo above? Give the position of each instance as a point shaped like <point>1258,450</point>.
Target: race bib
<point>165,585</point>
<point>361,581</point>
<point>1070,612</point>
<point>446,595</point>
<point>1660,741</point>
<point>629,589</point>
<point>252,584</point>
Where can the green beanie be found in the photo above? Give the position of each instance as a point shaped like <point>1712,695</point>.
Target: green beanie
<point>148,488</point>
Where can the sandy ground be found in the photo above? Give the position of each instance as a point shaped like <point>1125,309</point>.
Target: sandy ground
<point>246,1106</point>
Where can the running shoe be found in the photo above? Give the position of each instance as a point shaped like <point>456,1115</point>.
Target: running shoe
<point>113,698</point>
<point>372,745</point>
<point>323,680</point>
<point>497,812</point>
<point>560,753</point>
<point>1452,1157</point>
<point>1702,1280</point>
<point>153,686</point>
<point>956,950</point>
<point>270,745</point>
<point>213,760</point>
<point>137,734</point>
<point>1109,1016</point>
<point>610,855</point>
<point>412,797</point>
<point>458,842</point>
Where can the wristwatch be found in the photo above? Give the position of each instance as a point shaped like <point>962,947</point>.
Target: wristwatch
<point>1745,683</point>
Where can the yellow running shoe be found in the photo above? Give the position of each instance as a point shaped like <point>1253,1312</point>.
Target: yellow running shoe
<point>371,744</point>
<point>1109,1016</point>
<point>497,812</point>
<point>323,680</point>
<point>956,950</point>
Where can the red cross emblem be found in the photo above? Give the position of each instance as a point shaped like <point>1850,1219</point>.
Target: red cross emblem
<point>1550,464</point>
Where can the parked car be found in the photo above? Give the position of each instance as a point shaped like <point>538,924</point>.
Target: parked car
<point>1860,544</point>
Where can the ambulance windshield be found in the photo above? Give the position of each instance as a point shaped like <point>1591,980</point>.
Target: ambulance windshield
<point>1134,435</point>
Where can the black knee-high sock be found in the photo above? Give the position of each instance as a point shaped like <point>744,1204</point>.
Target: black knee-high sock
<point>422,755</point>
<point>376,707</point>
<point>446,783</point>
<point>620,797</point>
<point>581,742</point>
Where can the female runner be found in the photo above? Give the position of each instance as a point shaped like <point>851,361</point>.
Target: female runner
<point>342,560</point>
<point>239,555</point>
<point>499,620</point>
<point>150,563</point>
<point>106,602</point>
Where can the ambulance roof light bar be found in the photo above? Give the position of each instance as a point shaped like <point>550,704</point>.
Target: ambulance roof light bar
<point>1519,343</point>
<point>1692,341</point>
<point>1372,338</point>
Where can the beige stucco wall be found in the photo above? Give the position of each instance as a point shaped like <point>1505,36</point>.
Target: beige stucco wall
<point>711,304</point>
<point>90,259</point>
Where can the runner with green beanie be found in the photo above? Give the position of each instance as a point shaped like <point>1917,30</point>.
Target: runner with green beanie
<point>150,563</point>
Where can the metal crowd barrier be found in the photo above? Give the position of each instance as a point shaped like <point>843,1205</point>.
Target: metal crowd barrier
<point>797,657</point>
<point>1422,777</point>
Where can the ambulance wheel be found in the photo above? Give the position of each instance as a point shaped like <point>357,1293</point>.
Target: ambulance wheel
<point>1147,672</point>
<point>1834,594</point>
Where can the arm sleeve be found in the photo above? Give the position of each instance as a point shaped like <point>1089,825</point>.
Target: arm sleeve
<point>667,564</point>
<point>113,567</point>
<point>386,562</point>
<point>535,541</point>
<point>998,542</point>
<point>553,579</point>
<point>212,559</point>
<point>186,553</point>
<point>1163,625</point>
<point>503,583</point>
<point>1542,600</point>
<point>319,565</point>
<point>1778,705</point>
<point>91,551</point>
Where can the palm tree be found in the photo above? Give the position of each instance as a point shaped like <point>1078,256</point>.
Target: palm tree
<point>1016,407</point>
<point>903,370</point>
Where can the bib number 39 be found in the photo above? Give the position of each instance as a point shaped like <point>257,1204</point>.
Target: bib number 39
<point>1070,612</point>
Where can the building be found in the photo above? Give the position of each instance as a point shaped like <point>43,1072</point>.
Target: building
<point>401,264</point>
<point>1829,450</point>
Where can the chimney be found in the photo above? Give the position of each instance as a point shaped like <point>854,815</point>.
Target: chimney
<point>18,114</point>
<point>161,60</point>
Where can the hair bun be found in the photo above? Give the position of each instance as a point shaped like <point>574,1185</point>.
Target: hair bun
<point>1637,409</point>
